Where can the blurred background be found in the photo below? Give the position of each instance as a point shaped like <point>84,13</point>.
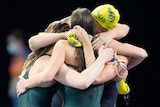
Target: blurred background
<point>26,18</point>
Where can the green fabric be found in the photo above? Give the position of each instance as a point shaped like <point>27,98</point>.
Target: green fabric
<point>38,96</point>
<point>90,97</point>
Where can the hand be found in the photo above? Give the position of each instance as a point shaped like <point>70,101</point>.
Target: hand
<point>105,53</point>
<point>101,39</point>
<point>82,35</point>
<point>20,87</point>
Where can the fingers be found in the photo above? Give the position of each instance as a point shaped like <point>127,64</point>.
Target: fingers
<point>105,53</point>
<point>102,47</point>
<point>18,93</point>
<point>20,90</point>
<point>97,35</point>
<point>77,27</point>
<point>97,43</point>
<point>20,87</point>
<point>17,88</point>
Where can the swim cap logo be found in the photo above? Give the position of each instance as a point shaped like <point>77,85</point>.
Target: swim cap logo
<point>111,15</point>
<point>100,16</point>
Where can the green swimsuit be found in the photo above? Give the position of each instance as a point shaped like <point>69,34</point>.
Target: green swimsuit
<point>90,97</point>
<point>38,96</point>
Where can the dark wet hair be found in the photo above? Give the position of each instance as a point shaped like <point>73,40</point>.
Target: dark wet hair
<point>83,18</point>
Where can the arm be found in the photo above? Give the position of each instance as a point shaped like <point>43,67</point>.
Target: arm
<point>44,39</point>
<point>87,77</point>
<point>136,54</point>
<point>109,72</point>
<point>118,32</point>
<point>71,77</point>
<point>47,75</point>
<point>59,55</point>
<point>67,76</point>
<point>82,36</point>
<point>84,79</point>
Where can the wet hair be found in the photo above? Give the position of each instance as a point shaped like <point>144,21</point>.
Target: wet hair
<point>83,18</point>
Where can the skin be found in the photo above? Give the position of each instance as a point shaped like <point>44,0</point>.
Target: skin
<point>136,54</point>
<point>85,78</point>
<point>135,58</point>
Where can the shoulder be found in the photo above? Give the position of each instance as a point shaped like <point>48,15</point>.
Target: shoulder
<point>41,63</point>
<point>124,26</point>
<point>63,43</point>
<point>43,59</point>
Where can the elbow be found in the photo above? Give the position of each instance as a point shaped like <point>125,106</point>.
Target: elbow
<point>144,54</point>
<point>106,76</point>
<point>124,30</point>
<point>84,85</point>
<point>99,80</point>
<point>46,79</point>
<point>32,44</point>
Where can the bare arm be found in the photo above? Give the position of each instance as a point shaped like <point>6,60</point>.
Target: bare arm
<point>83,37</point>
<point>109,72</point>
<point>132,54</point>
<point>44,39</point>
<point>71,77</point>
<point>47,75</point>
<point>118,32</point>
<point>84,79</point>
<point>136,54</point>
<point>66,75</point>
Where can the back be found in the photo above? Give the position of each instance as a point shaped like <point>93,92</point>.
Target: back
<point>38,96</point>
<point>90,97</point>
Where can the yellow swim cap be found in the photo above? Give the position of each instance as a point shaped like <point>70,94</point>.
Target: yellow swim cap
<point>106,15</point>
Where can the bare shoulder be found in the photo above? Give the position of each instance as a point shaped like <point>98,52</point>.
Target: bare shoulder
<point>63,43</point>
<point>40,64</point>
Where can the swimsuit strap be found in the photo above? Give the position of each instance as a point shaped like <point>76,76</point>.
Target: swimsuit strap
<point>73,66</point>
<point>46,54</point>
